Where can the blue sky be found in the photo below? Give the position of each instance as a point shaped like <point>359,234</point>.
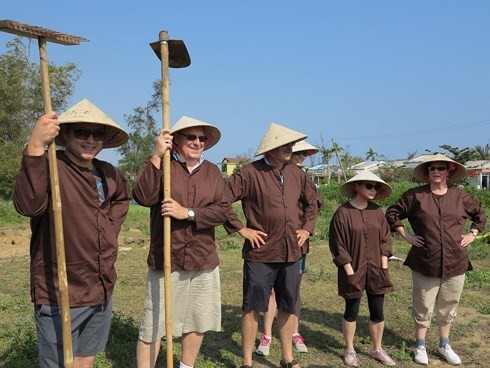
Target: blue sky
<point>394,76</point>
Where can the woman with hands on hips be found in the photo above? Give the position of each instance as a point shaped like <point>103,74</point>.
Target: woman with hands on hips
<point>439,255</point>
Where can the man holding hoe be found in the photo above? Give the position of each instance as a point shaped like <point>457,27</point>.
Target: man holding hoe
<point>95,202</point>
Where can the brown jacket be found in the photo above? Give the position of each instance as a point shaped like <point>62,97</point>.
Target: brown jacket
<point>90,231</point>
<point>441,221</point>
<point>193,243</point>
<point>275,206</point>
<point>360,237</point>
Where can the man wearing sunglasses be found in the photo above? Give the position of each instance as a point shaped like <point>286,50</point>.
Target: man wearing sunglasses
<point>196,189</point>
<point>280,206</point>
<point>95,200</point>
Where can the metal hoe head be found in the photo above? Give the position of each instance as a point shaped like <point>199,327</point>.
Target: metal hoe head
<point>49,35</point>
<point>178,57</point>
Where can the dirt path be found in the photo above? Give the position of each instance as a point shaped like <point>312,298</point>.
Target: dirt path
<point>14,243</point>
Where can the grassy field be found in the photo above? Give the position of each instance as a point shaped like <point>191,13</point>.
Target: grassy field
<point>321,314</point>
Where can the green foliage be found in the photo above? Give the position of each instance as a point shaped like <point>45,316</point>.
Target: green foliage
<point>21,103</point>
<point>9,216</point>
<point>142,136</point>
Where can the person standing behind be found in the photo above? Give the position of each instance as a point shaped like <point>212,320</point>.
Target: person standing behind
<point>95,200</point>
<point>280,207</point>
<point>301,151</point>
<point>439,256</point>
<point>196,188</point>
<point>360,242</point>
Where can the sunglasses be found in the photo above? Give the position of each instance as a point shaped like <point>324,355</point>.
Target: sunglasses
<point>370,186</point>
<point>301,153</point>
<point>438,168</point>
<point>193,137</point>
<point>98,135</point>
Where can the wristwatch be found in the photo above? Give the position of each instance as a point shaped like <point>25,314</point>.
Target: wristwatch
<point>475,233</point>
<point>190,215</point>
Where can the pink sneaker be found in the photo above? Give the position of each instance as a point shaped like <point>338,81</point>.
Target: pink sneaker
<point>264,346</point>
<point>299,344</point>
<point>350,359</point>
<point>381,356</point>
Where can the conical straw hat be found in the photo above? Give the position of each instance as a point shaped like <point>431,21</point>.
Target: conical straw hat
<point>305,146</point>
<point>86,112</point>
<point>277,136</point>
<point>456,171</point>
<point>348,188</point>
<point>210,131</point>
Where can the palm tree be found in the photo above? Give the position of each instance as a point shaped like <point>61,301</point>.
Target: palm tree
<point>371,155</point>
<point>482,153</point>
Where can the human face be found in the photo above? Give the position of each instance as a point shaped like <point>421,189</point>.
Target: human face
<point>280,154</point>
<point>81,146</point>
<point>190,150</point>
<point>298,157</point>
<point>367,189</point>
<point>438,171</point>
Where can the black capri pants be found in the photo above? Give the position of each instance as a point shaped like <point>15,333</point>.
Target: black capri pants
<point>375,304</point>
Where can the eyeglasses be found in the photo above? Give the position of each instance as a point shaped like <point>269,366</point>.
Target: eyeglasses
<point>98,135</point>
<point>301,153</point>
<point>193,137</point>
<point>438,168</point>
<point>370,186</point>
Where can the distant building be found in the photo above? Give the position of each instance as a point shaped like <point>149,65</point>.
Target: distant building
<point>229,164</point>
<point>479,173</point>
<point>366,165</point>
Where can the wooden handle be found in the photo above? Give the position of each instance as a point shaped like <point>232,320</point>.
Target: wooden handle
<point>58,219</point>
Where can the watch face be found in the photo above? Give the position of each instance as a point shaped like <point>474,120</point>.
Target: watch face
<point>190,213</point>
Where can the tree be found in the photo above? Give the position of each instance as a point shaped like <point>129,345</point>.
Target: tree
<point>142,135</point>
<point>482,153</point>
<point>371,155</point>
<point>21,103</point>
<point>460,155</point>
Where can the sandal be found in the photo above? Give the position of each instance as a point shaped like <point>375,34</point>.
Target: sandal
<point>288,365</point>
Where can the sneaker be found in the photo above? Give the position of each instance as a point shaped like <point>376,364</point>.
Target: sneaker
<point>299,344</point>
<point>421,356</point>
<point>381,356</point>
<point>264,346</point>
<point>350,359</point>
<point>451,357</point>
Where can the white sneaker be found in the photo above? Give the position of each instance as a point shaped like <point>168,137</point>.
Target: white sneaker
<point>264,346</point>
<point>421,356</point>
<point>448,353</point>
<point>299,344</point>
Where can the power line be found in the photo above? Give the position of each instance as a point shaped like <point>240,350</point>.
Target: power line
<point>421,132</point>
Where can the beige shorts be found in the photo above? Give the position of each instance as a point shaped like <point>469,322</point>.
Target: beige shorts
<point>196,304</point>
<point>432,292</point>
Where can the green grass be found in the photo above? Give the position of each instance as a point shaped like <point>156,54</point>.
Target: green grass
<point>322,309</point>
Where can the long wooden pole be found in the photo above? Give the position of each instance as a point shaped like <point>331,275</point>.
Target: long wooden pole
<point>58,220</point>
<point>167,267</point>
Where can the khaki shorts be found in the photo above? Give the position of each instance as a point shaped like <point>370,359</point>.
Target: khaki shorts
<point>442,293</point>
<point>196,304</point>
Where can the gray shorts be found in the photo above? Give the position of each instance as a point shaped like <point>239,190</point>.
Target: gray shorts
<point>90,330</point>
<point>196,304</point>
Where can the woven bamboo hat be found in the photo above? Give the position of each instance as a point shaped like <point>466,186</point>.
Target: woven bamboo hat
<point>305,146</point>
<point>86,112</point>
<point>348,188</point>
<point>456,171</point>
<point>210,131</point>
<point>277,136</point>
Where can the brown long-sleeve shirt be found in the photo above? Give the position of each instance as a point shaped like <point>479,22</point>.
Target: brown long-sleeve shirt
<point>277,202</point>
<point>440,220</point>
<point>360,237</point>
<point>90,231</point>
<point>192,242</point>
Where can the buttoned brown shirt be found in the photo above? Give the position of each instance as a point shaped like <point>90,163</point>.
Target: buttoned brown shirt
<point>440,220</point>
